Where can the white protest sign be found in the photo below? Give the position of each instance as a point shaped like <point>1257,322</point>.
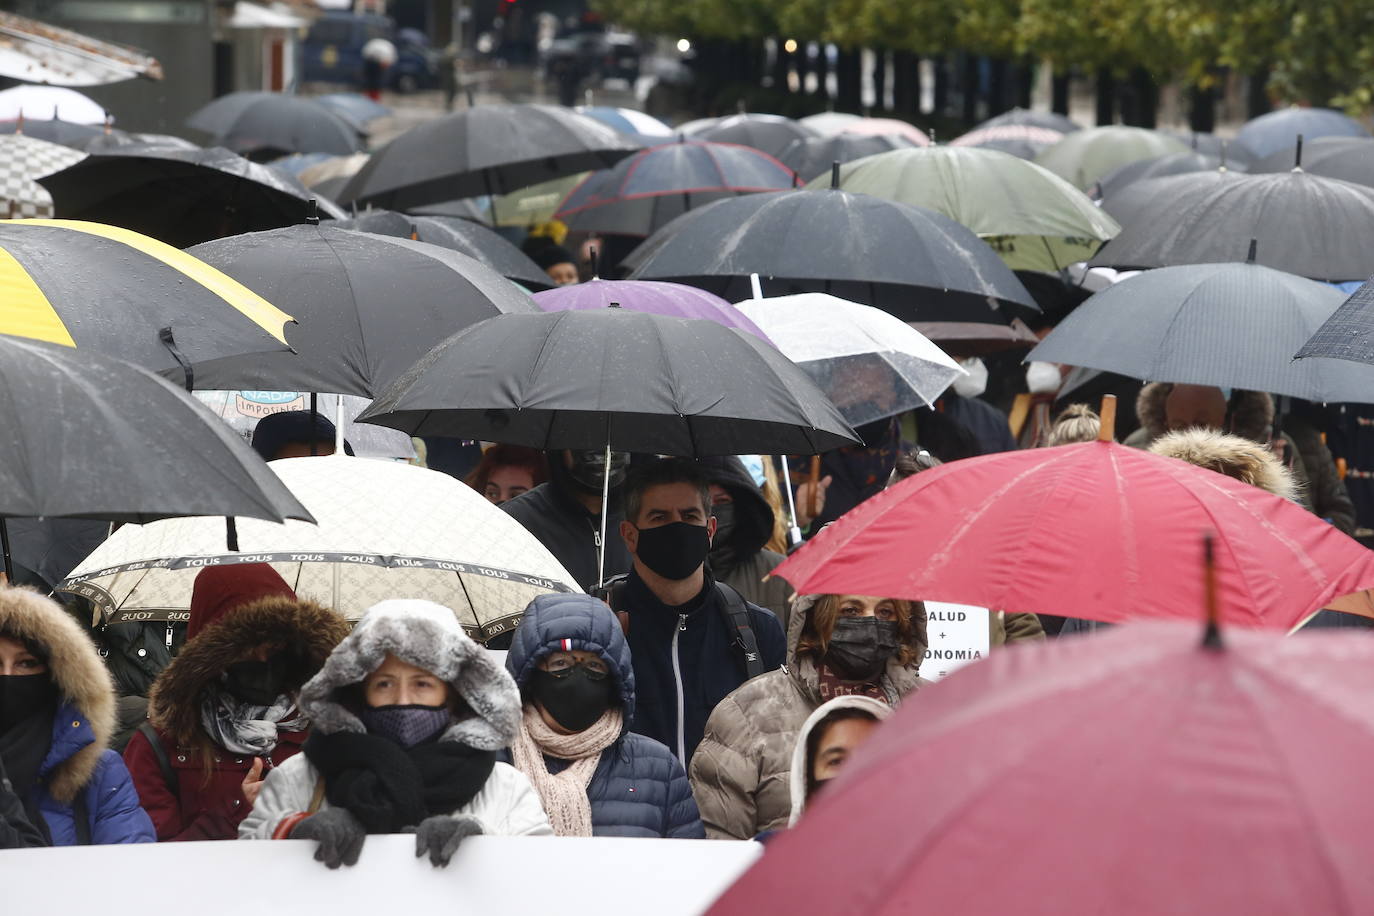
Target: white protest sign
<point>958,634</point>
<point>490,875</point>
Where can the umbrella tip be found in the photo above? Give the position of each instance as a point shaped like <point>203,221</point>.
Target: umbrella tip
<point>612,305</point>
<point>414,232</point>
<point>1254,249</point>
<point>1297,155</point>
<point>1211,638</point>
<point>312,212</point>
<point>835,175</point>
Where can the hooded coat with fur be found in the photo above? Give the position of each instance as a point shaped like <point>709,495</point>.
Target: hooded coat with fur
<point>741,772</point>
<point>79,770</point>
<point>428,636</point>
<point>207,802</point>
<point>1235,456</point>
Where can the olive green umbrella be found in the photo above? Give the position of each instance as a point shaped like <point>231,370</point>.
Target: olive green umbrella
<point>1031,217</point>
<point>1085,156</point>
<point>521,208</point>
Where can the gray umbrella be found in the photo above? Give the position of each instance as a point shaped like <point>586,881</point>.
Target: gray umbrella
<point>368,306</point>
<point>1346,158</point>
<point>1309,226</point>
<point>1230,325</point>
<point>812,157</point>
<point>910,261</point>
<point>1115,181</point>
<point>490,149</point>
<point>264,123</point>
<point>1349,333</point>
<point>768,133</point>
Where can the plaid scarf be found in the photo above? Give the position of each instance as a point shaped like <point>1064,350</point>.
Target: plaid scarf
<point>244,728</point>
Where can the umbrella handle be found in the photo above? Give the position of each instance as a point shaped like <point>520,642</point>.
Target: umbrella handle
<point>813,494</point>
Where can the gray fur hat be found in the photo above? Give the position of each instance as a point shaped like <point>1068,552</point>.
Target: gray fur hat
<point>428,636</point>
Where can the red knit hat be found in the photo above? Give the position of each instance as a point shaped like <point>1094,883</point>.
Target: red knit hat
<point>221,589</point>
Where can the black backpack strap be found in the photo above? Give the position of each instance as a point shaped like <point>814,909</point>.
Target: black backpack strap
<point>160,753</point>
<point>81,818</point>
<point>736,613</point>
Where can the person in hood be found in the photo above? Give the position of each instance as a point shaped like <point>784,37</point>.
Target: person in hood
<point>828,738</point>
<point>837,645</point>
<point>224,712</point>
<point>407,717</point>
<point>744,524</point>
<point>564,514</point>
<point>294,434</point>
<point>594,776</point>
<point>57,712</point>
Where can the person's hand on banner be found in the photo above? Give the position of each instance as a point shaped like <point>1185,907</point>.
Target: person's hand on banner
<point>340,835</point>
<point>441,835</point>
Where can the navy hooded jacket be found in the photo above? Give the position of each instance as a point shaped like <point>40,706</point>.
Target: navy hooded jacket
<point>639,789</point>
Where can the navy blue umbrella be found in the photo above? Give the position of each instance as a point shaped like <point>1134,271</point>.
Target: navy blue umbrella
<point>1278,130</point>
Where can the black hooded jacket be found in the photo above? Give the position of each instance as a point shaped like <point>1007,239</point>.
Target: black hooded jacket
<point>738,557</point>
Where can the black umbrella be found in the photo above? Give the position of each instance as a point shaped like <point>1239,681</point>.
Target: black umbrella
<point>1314,227</point>
<point>475,241</point>
<point>272,124</point>
<point>89,436</point>
<point>1349,333</point>
<point>813,157</point>
<point>53,547</point>
<point>1230,325</point>
<point>368,305</point>
<point>766,132</point>
<point>489,149</point>
<point>1160,167</point>
<point>913,262</point>
<point>1346,158</point>
<point>1275,131</point>
<point>179,196</point>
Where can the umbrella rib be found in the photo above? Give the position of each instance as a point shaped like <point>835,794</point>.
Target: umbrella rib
<point>357,312</point>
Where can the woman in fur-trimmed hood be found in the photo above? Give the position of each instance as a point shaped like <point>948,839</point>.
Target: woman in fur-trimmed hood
<point>57,712</point>
<point>407,717</point>
<point>224,712</point>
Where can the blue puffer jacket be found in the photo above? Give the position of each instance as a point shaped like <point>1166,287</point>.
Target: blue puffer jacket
<point>639,789</point>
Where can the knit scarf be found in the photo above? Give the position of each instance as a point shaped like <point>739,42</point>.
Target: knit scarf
<point>564,794</point>
<point>245,728</point>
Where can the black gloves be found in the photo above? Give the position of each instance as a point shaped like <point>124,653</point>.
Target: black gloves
<point>440,836</point>
<point>339,832</point>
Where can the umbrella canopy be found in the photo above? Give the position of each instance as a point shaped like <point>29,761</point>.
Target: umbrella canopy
<point>22,160</point>
<point>1024,117</point>
<point>179,196</point>
<point>243,409</point>
<point>270,122</point>
<point>671,299</point>
<point>1278,130</point>
<point>814,157</point>
<point>67,133</point>
<point>1114,181</point>
<point>647,190</point>
<point>1348,334</point>
<point>1094,530</point>
<point>108,289</point>
<point>889,127</point>
<point>616,378</point>
<point>1237,155</point>
<point>1228,325</point>
<point>369,305</point>
<point>1022,141</point>
<point>1176,777</point>
<point>33,101</point>
<point>1346,158</point>
<point>39,52</point>
<point>354,107</point>
<point>916,263</point>
<point>490,149</point>
<point>629,121</point>
<point>824,123</point>
<point>52,547</point>
<point>126,446</point>
<point>110,139</point>
<point>335,167</point>
<point>1033,218</point>
<point>765,132</point>
<point>1305,225</point>
<point>476,209</point>
<point>382,529</point>
<point>1085,156</point>
<point>460,235</point>
<point>868,363</point>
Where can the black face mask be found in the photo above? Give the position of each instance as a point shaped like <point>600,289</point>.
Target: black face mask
<point>861,646</point>
<point>675,550</point>
<point>725,522</point>
<point>575,697</point>
<point>22,695</point>
<point>259,683</point>
<point>588,469</point>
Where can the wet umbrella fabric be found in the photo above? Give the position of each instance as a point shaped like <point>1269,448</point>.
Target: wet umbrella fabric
<point>23,160</point>
<point>814,157</point>
<point>107,289</point>
<point>382,529</point>
<point>1113,182</point>
<point>1237,155</point>
<point>181,197</point>
<point>368,305</point>
<point>1017,531</point>
<point>1345,158</point>
<point>764,132</point>
<point>672,299</point>
<point>1023,117</point>
<point>1305,225</point>
<point>1348,334</point>
<point>114,139</point>
<point>36,101</point>
<point>52,547</point>
<point>629,121</point>
<point>643,192</point>
<point>1085,156</point>
<point>354,107</point>
<point>1020,140</point>
<point>490,149</point>
<point>1174,776</point>
<point>916,263</point>
<point>460,235</point>
<point>258,122</point>
<point>1228,325</point>
<point>630,381</point>
<point>1278,130</point>
<point>54,130</point>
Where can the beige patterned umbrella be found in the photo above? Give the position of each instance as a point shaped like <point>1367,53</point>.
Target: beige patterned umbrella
<point>23,160</point>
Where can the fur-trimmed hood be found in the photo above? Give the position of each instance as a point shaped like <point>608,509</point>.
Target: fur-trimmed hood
<point>307,630</point>
<point>1251,412</point>
<point>428,636</point>
<point>80,677</point>
<point>1234,456</point>
<point>878,709</point>
<point>898,679</point>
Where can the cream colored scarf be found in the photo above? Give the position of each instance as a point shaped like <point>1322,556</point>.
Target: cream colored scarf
<point>564,794</point>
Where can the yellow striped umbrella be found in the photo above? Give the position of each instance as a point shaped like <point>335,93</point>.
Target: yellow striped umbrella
<point>93,286</point>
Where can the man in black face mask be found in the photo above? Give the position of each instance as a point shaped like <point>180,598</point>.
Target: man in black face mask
<point>692,639</point>
<point>564,513</point>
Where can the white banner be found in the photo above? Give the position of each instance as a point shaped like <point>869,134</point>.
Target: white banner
<point>490,875</point>
<point>958,634</point>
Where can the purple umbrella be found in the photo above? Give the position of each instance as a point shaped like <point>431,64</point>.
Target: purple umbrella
<point>672,299</point>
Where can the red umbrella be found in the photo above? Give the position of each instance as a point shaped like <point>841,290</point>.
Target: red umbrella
<point>1095,530</point>
<point>1130,772</point>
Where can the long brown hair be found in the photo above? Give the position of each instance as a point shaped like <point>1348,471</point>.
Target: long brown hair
<point>820,623</point>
